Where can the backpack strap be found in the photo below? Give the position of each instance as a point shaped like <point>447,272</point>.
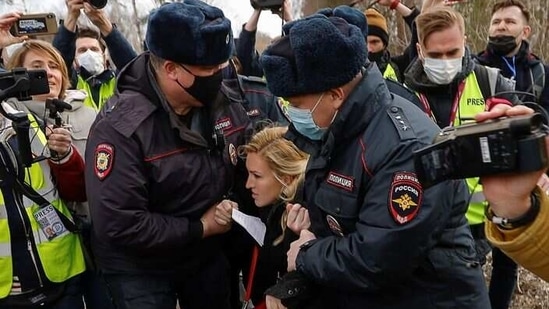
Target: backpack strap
<point>537,76</point>
<point>487,79</point>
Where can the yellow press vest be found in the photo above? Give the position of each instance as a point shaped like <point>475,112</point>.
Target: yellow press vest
<point>62,257</point>
<point>471,103</point>
<point>390,73</point>
<point>105,92</point>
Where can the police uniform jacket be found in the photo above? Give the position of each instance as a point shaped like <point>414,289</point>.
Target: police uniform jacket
<point>151,175</point>
<point>382,240</point>
<point>260,104</point>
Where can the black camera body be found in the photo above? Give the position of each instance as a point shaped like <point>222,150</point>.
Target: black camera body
<point>505,145</point>
<point>98,4</point>
<point>22,84</point>
<point>273,5</point>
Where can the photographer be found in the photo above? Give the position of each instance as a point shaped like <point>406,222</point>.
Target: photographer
<point>41,261</point>
<point>517,198</point>
<point>41,54</point>
<point>84,52</point>
<point>245,45</point>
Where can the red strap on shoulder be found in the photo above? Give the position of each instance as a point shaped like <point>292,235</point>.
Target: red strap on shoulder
<point>394,4</point>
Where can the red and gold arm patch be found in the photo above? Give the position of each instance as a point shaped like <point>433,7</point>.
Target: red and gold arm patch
<point>104,160</point>
<point>405,197</point>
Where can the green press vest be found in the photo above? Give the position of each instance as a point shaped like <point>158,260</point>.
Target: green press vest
<point>471,102</point>
<point>105,92</point>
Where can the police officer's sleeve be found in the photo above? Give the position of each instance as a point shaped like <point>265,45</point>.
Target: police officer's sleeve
<point>116,184</point>
<point>385,249</point>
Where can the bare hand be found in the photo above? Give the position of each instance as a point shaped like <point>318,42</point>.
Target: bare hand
<point>74,7</point>
<point>386,3</point>
<point>543,183</point>
<point>298,218</point>
<point>273,302</point>
<point>285,12</point>
<point>304,237</point>
<point>59,140</point>
<point>224,211</point>
<point>509,194</point>
<point>6,22</point>
<point>98,18</point>
<point>428,4</point>
<point>210,226</point>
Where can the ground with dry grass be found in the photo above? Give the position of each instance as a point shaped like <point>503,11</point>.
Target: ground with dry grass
<point>531,292</point>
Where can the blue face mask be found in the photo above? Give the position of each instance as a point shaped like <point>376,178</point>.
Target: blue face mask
<point>304,123</point>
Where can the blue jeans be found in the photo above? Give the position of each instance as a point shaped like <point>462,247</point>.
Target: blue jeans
<point>207,288</point>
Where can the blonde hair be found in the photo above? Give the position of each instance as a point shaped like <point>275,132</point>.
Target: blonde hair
<point>284,159</point>
<point>42,47</point>
<point>436,19</point>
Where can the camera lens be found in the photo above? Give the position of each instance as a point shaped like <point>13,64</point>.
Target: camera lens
<point>98,4</point>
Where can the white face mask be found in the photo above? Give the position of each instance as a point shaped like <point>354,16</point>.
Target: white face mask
<point>442,71</point>
<point>92,62</point>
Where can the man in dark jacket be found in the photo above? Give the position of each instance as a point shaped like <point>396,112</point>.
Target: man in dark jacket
<point>161,155</point>
<point>378,239</point>
<point>508,50</point>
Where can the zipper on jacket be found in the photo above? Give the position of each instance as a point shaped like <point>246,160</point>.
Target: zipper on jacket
<point>29,237</point>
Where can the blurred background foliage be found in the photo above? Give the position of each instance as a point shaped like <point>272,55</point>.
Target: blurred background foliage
<point>477,20</point>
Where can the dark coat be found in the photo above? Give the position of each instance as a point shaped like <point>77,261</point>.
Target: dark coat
<point>148,193</point>
<point>373,250</point>
<point>524,61</point>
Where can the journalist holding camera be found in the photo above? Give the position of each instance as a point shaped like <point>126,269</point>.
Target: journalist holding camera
<point>84,50</point>
<point>66,121</point>
<point>518,213</point>
<point>245,45</point>
<point>41,256</point>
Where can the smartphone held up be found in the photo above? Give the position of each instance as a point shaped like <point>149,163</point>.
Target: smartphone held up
<point>35,24</point>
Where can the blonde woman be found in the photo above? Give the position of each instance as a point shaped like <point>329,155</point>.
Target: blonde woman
<point>275,172</point>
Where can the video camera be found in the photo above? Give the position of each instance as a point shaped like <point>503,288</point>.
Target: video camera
<point>22,84</point>
<point>273,5</point>
<point>505,145</point>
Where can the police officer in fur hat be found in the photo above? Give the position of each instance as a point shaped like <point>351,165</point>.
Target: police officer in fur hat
<point>377,238</point>
<point>160,157</point>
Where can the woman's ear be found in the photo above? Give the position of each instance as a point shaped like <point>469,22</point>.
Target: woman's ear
<point>287,180</point>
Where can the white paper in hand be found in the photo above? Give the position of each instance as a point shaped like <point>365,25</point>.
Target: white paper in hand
<point>253,225</point>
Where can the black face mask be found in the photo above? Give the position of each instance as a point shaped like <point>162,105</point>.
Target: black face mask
<point>376,57</point>
<point>502,45</point>
<point>204,88</point>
